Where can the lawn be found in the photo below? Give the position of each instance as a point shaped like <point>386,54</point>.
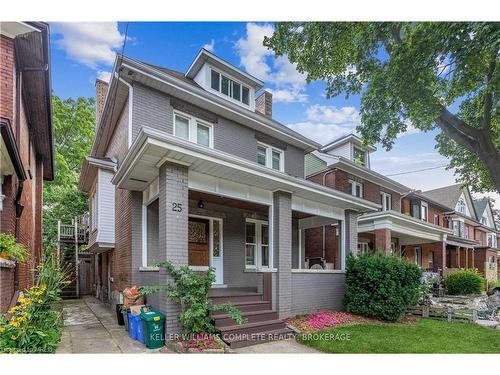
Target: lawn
<point>423,336</point>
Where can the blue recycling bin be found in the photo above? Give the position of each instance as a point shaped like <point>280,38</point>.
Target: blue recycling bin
<point>133,323</point>
<point>135,328</point>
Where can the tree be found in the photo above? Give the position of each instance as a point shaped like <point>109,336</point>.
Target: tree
<point>425,74</point>
<point>74,122</point>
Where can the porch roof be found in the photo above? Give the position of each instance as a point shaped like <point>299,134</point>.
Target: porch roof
<point>416,230</point>
<point>152,148</point>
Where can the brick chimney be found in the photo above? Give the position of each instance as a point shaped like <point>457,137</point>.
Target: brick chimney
<point>264,104</point>
<point>101,88</point>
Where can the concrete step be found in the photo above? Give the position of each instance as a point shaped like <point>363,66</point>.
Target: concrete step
<point>236,298</point>
<point>252,305</point>
<point>224,320</point>
<point>260,338</point>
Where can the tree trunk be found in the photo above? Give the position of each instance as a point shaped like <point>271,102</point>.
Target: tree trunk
<point>477,141</point>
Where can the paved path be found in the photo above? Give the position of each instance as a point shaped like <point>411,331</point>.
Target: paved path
<point>90,327</point>
<point>275,347</point>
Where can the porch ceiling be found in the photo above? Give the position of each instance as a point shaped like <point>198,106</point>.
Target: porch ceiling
<point>152,148</point>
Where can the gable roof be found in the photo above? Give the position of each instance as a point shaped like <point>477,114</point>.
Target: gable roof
<point>344,139</point>
<point>480,206</point>
<point>449,195</point>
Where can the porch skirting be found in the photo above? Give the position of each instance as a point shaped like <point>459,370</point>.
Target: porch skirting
<point>317,291</point>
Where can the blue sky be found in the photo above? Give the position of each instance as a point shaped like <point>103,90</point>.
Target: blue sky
<point>83,51</point>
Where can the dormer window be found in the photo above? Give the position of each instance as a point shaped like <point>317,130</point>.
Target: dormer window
<point>359,156</point>
<point>461,206</point>
<point>229,87</point>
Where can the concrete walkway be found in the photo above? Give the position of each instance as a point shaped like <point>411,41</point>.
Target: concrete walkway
<point>277,347</point>
<point>90,327</point>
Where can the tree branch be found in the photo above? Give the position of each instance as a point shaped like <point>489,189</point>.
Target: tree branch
<point>488,99</point>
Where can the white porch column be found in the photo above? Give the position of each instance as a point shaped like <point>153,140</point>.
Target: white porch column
<point>351,233</point>
<point>173,232</point>
<point>282,248</point>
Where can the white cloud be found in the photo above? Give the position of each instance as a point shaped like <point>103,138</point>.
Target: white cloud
<point>259,61</point>
<point>210,46</point>
<point>104,75</point>
<point>89,43</point>
<point>325,123</point>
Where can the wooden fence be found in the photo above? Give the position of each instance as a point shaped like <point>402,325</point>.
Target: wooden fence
<point>445,313</point>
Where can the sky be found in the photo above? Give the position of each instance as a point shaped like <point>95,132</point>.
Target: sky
<point>82,52</point>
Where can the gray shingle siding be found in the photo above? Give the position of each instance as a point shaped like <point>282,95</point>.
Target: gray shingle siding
<point>317,291</point>
<point>153,109</point>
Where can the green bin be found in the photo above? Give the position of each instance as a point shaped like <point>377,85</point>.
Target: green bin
<point>154,328</point>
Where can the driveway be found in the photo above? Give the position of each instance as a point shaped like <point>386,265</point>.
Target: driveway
<point>90,327</point>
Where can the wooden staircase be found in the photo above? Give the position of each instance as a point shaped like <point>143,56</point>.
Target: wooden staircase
<point>261,321</point>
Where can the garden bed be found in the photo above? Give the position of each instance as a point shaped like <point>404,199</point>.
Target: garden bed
<point>202,343</point>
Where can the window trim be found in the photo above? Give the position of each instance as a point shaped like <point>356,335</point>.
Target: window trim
<point>269,156</point>
<point>94,219</point>
<point>193,128</point>
<point>353,188</point>
<point>384,196</point>
<point>230,88</point>
<point>356,148</point>
<point>426,206</point>
<point>258,245</point>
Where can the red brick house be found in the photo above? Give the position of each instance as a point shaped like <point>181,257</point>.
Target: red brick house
<point>26,148</point>
<point>440,230</point>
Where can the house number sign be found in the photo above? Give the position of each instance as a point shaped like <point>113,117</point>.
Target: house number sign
<point>176,207</point>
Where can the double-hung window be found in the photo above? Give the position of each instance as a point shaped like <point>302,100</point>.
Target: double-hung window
<point>356,188</point>
<point>386,201</point>
<point>424,208</point>
<point>270,157</point>
<point>229,87</point>
<point>193,129</point>
<point>256,244</point>
<point>359,156</point>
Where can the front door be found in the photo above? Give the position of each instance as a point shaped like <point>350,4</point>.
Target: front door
<point>198,242</point>
<point>205,245</point>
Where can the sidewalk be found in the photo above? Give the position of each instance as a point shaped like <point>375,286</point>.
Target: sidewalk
<point>89,327</point>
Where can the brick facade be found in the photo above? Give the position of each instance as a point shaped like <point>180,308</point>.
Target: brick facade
<point>28,227</point>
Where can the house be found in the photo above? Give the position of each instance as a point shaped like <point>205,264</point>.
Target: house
<point>192,167</point>
<point>26,145</point>
<point>440,230</point>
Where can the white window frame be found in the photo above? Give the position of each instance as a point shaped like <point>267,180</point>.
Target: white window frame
<point>364,248</point>
<point>258,245</point>
<point>269,156</point>
<point>231,81</point>
<point>354,149</point>
<point>193,128</point>
<point>461,206</point>
<point>94,208</point>
<point>417,251</point>
<point>384,197</point>
<point>353,188</point>
<point>424,207</point>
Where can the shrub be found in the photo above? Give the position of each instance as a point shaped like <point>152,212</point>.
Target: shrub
<point>190,290</point>
<point>33,325</point>
<point>382,287</point>
<point>12,250</point>
<point>467,281</point>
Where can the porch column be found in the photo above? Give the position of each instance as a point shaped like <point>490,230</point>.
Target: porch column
<point>383,240</point>
<point>443,254</point>
<point>173,232</point>
<point>282,249</point>
<point>351,234</point>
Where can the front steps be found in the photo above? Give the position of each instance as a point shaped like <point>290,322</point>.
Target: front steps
<point>261,321</point>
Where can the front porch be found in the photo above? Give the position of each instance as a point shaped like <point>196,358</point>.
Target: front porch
<point>203,208</point>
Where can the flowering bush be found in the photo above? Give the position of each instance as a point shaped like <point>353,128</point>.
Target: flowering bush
<point>320,320</point>
<point>32,326</point>
<point>201,342</point>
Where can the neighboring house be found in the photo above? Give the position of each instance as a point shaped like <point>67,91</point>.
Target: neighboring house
<point>191,167</point>
<point>440,230</point>
<point>26,145</point>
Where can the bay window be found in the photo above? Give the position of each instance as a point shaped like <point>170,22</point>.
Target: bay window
<point>193,129</point>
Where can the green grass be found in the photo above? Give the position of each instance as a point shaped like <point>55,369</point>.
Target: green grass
<point>425,336</point>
